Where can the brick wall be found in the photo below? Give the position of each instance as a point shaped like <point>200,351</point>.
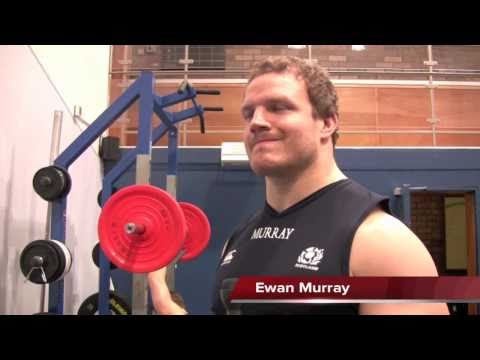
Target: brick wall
<point>402,57</point>
<point>361,109</point>
<point>243,56</point>
<point>428,223</point>
<point>375,56</point>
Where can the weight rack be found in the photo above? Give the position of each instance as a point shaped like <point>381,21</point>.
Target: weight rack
<point>142,89</point>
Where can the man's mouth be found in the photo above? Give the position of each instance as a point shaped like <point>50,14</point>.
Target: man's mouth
<point>264,141</point>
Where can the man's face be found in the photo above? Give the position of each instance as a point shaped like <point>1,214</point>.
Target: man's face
<point>281,136</point>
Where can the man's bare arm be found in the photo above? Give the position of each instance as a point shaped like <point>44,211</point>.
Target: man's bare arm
<point>384,246</point>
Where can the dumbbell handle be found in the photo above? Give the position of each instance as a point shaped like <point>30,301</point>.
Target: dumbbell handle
<point>45,181</point>
<point>132,228</point>
<point>44,276</point>
<point>213,109</point>
<point>36,261</point>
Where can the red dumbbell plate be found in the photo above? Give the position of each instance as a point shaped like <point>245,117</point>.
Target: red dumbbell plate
<point>198,231</point>
<point>154,210</point>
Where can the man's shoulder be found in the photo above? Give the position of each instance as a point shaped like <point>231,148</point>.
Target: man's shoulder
<point>359,194</point>
<point>380,232</point>
<point>379,221</point>
<point>384,246</point>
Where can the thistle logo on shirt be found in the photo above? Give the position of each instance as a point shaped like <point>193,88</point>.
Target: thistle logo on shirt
<point>310,258</point>
<point>272,233</point>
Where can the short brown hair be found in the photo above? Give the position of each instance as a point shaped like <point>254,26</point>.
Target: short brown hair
<point>320,89</point>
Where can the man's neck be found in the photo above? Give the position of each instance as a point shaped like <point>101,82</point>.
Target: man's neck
<point>284,192</point>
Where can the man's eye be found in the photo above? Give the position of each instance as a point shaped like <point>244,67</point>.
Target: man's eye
<point>278,107</point>
<point>247,114</point>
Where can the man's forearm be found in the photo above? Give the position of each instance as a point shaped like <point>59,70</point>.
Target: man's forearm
<point>164,301</point>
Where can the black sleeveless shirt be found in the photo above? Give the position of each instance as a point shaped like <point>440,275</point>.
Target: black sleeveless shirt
<point>282,244</point>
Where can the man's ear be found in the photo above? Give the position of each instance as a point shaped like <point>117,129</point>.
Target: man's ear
<point>328,127</point>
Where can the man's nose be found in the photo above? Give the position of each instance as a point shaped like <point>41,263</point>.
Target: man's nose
<point>259,121</point>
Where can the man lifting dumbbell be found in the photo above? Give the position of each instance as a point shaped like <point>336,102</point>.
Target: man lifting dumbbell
<point>291,121</point>
<point>142,227</point>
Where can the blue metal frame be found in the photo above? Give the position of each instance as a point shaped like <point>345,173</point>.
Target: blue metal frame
<point>144,90</point>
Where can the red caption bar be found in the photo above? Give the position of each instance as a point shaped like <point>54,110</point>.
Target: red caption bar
<point>357,289</point>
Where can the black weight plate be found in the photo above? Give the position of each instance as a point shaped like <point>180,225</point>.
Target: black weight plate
<point>51,182</point>
<point>99,196</point>
<point>96,259</point>
<point>118,305</point>
<point>52,261</point>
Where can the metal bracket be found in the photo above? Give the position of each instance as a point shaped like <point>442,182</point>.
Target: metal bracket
<point>419,188</point>
<point>77,111</point>
<point>430,63</point>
